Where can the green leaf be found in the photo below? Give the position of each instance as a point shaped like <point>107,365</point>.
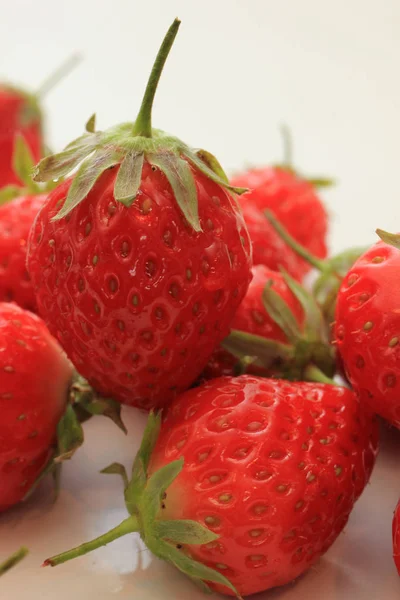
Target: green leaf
<point>129,178</point>
<point>91,124</point>
<point>180,177</point>
<point>158,483</point>
<point>192,568</point>
<point>84,180</point>
<point>8,193</point>
<point>267,353</point>
<point>23,163</point>
<point>69,435</point>
<point>211,162</point>
<point>280,312</point>
<point>184,532</point>
<point>393,239</point>
<point>205,169</point>
<point>61,164</point>
<point>117,469</point>
<point>314,324</point>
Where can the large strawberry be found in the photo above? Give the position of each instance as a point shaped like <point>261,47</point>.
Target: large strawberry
<point>18,209</point>
<point>276,329</point>
<point>367,327</point>
<point>140,261</point>
<point>37,396</point>
<point>295,203</point>
<point>271,468</point>
<point>21,114</point>
<point>396,537</point>
<point>12,560</point>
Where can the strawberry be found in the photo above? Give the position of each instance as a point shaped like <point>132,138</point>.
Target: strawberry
<point>21,114</point>
<point>271,468</point>
<point>139,258</point>
<point>294,202</point>
<point>277,329</point>
<point>38,411</point>
<point>18,209</point>
<point>367,326</point>
<point>13,560</point>
<point>396,537</point>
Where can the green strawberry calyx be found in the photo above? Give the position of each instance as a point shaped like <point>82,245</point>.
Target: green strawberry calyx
<point>144,498</point>
<point>130,145</point>
<point>306,345</point>
<point>13,560</point>
<point>23,166</point>
<point>83,402</point>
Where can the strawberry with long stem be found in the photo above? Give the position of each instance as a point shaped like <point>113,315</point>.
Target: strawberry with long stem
<point>140,257</point>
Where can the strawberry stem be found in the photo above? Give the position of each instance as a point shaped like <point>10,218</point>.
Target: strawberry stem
<point>313,373</point>
<point>13,560</point>
<point>143,121</point>
<point>318,264</point>
<point>58,75</point>
<point>129,525</point>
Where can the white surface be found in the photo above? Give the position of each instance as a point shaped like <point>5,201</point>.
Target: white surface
<point>239,68</point>
<point>359,566</point>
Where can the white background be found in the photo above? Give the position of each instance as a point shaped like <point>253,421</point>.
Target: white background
<point>330,69</point>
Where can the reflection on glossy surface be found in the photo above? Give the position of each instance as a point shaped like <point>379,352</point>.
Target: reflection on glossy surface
<point>358,567</point>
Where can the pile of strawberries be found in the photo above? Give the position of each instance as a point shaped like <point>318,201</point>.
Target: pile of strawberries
<point>137,273</point>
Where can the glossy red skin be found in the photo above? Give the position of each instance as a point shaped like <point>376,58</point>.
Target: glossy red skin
<point>11,123</point>
<point>34,380</point>
<point>396,537</point>
<point>187,285</point>
<point>266,439</point>
<point>16,219</point>
<point>294,202</point>
<point>252,317</point>
<point>370,294</point>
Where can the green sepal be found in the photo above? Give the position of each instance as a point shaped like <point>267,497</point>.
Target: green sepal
<point>393,239</point>
<point>204,168</point>
<point>84,180</point>
<point>13,560</point>
<point>23,163</point>
<point>321,182</point>
<point>8,193</point>
<point>280,312</point>
<point>117,469</point>
<point>97,405</point>
<point>184,532</point>
<point>193,568</point>
<point>211,161</point>
<point>129,178</point>
<point>91,124</point>
<point>48,470</point>
<point>264,352</point>
<point>158,483</point>
<point>69,435</point>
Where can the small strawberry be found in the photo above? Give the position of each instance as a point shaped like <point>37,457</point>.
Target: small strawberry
<point>368,324</point>
<point>271,468</point>
<point>294,202</point>
<point>140,258</point>
<point>13,560</point>
<point>37,396</point>
<point>396,537</point>
<point>18,209</point>
<point>21,114</point>
<point>276,329</point>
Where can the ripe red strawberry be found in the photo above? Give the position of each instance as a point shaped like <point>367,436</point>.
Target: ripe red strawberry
<point>294,202</point>
<point>34,382</point>
<point>277,330</point>
<point>367,328</point>
<point>272,468</point>
<point>21,115</point>
<point>13,560</point>
<point>396,537</point>
<point>149,258</point>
